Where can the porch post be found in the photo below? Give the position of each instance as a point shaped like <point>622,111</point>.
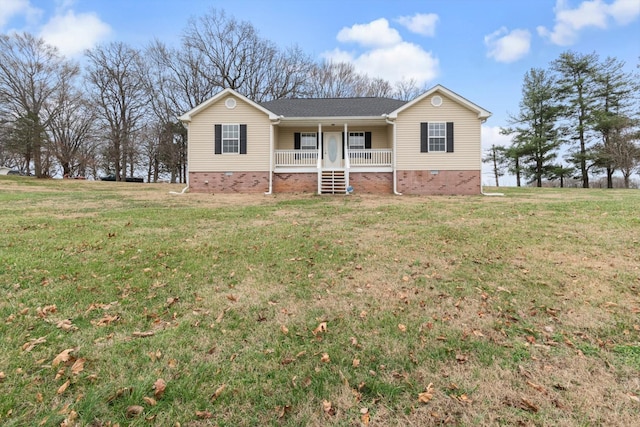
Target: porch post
<point>347,160</point>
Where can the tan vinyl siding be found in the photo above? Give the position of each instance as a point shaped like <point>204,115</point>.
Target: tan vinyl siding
<point>467,151</point>
<point>201,139</point>
<point>379,135</point>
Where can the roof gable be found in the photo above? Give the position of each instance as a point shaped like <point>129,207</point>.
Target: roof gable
<point>482,113</point>
<point>219,96</point>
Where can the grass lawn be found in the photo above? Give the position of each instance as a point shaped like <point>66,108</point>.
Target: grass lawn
<point>125,305</point>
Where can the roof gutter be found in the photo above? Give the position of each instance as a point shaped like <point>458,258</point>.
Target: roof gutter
<point>395,170</point>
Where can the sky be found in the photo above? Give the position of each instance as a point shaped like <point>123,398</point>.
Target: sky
<point>480,49</point>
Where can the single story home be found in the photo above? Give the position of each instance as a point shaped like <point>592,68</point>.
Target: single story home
<point>430,145</point>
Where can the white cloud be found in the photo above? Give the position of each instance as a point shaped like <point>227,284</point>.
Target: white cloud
<point>588,14</point>
<point>420,23</point>
<point>491,136</point>
<point>624,11</point>
<point>12,8</point>
<point>73,33</point>
<point>386,55</point>
<point>505,46</point>
<point>375,33</point>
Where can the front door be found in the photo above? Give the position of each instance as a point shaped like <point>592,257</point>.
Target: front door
<point>332,150</point>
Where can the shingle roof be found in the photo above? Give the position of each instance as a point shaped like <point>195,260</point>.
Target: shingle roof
<point>333,107</point>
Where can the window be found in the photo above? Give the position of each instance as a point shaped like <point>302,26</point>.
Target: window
<point>437,137</point>
<point>356,140</point>
<point>230,139</point>
<point>308,141</point>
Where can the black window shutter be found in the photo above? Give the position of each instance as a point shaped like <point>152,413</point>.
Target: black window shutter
<point>449,137</point>
<point>367,140</point>
<point>296,140</point>
<point>243,139</point>
<point>424,137</point>
<point>218,139</point>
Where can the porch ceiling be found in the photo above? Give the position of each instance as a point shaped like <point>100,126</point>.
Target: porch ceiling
<point>332,121</point>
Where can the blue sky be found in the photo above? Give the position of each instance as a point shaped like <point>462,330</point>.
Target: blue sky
<point>477,48</point>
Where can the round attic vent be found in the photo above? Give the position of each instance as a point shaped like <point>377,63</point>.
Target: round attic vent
<point>436,101</point>
<point>230,103</point>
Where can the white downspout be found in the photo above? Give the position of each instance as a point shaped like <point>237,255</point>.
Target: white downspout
<point>268,193</point>
<point>347,160</point>
<point>319,163</point>
<point>395,176</point>
<point>186,177</point>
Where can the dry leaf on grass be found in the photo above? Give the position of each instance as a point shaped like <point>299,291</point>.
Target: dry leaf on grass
<point>28,346</point>
<point>145,334</point>
<point>218,392</point>
<point>63,387</point>
<point>426,395</point>
<point>134,411</point>
<point>328,408</point>
<point>322,327</point>
<point>402,327</point>
<point>150,401</point>
<point>63,357</point>
<point>325,358</point>
<point>66,325</point>
<point>158,387</point>
<point>284,329</point>
<point>204,415</point>
<point>78,366</point>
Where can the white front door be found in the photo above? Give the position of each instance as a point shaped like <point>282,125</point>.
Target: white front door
<point>332,149</point>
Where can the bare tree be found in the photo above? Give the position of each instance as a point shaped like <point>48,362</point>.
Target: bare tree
<point>72,130</point>
<point>30,73</point>
<point>407,90</point>
<point>116,79</point>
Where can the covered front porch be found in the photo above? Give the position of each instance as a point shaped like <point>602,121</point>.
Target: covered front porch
<point>334,153</point>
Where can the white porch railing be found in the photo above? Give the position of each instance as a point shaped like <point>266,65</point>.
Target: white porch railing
<point>356,158</point>
<point>296,158</point>
<point>373,157</point>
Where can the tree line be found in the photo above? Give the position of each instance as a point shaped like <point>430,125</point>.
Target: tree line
<point>118,113</point>
<point>581,106</point>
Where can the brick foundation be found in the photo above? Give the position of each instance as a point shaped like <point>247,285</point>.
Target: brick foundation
<point>371,182</point>
<point>295,182</point>
<point>442,183</point>
<point>229,182</point>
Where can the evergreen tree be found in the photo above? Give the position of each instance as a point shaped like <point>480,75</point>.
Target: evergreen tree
<point>535,130</point>
<point>577,93</point>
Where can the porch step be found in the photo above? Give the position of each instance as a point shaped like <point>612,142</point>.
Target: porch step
<point>333,182</point>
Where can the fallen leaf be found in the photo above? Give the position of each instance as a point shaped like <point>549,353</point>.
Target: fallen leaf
<point>402,327</point>
<point>63,357</point>
<point>159,387</point>
<point>145,334</point>
<point>218,392</point>
<point>232,298</point>
<point>63,387</point>
<point>322,327</point>
<point>325,358</point>
<point>28,346</point>
<point>204,415</point>
<point>283,410</point>
<point>78,366</point>
<point>538,387</point>
<point>528,406</point>
<point>426,395</point>
<point>149,401</point>
<point>365,419</point>
<point>633,397</point>
<point>284,329</point>
<point>66,325</point>
<point>2,376</point>
<point>327,408</point>
<point>355,363</point>
<point>134,411</point>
